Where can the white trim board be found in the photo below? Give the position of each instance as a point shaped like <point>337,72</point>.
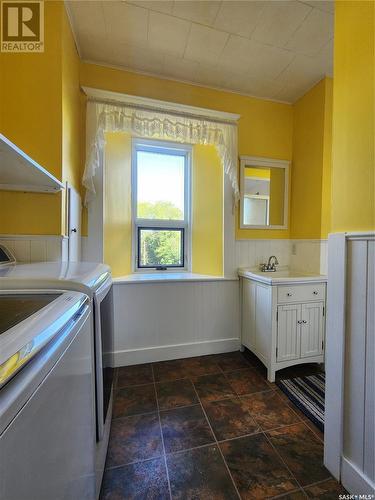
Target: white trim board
<point>175,351</point>
<point>261,161</point>
<point>156,104</point>
<point>335,352</point>
<point>163,277</point>
<point>354,480</point>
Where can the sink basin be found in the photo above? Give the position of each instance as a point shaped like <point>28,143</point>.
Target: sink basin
<point>281,276</point>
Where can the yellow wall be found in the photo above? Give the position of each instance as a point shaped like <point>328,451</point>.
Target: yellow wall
<point>327,161</point>
<point>39,113</point>
<point>263,173</point>
<point>30,116</point>
<point>311,147</point>
<point>265,127</point>
<point>72,140</point>
<point>30,86</point>
<point>117,203</point>
<point>71,108</point>
<point>207,211</point>
<point>353,187</point>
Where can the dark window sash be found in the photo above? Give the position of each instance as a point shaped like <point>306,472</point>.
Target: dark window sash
<point>161,267</point>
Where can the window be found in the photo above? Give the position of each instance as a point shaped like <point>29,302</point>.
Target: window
<point>161,205</point>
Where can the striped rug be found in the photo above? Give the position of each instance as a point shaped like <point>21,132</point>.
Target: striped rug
<point>307,393</point>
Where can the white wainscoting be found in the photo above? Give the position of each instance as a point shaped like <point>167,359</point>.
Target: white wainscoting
<point>350,362</point>
<point>309,256</point>
<point>160,321</point>
<point>303,255</point>
<point>251,253</point>
<point>36,248</point>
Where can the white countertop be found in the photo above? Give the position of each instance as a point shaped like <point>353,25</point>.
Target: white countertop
<point>281,276</point>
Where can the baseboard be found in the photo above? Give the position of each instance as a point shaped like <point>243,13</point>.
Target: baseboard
<point>354,480</point>
<point>177,351</point>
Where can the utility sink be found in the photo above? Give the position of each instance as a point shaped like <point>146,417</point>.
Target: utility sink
<point>282,275</point>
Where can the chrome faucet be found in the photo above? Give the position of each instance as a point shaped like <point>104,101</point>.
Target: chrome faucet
<point>270,267</point>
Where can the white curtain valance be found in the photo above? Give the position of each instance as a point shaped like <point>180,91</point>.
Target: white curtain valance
<point>159,125</point>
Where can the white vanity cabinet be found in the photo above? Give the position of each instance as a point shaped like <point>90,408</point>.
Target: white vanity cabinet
<point>283,323</point>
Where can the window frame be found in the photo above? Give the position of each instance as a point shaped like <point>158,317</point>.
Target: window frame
<point>170,148</point>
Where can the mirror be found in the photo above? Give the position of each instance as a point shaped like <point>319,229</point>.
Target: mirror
<point>264,193</point>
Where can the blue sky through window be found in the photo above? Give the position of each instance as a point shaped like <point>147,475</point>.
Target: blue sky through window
<point>160,178</point>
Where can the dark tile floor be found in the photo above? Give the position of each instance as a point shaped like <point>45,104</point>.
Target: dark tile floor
<point>211,428</point>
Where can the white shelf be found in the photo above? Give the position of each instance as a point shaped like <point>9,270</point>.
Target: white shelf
<point>19,172</point>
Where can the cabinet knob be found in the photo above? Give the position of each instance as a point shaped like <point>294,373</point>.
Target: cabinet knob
<point>304,322</point>
<point>299,322</point>
<point>315,292</point>
<point>289,294</point>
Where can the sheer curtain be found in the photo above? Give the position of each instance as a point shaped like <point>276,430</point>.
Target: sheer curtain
<point>156,124</point>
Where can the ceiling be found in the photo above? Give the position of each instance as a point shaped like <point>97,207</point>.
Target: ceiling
<point>268,49</point>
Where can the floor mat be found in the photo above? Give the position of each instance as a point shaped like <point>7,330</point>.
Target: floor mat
<point>307,393</point>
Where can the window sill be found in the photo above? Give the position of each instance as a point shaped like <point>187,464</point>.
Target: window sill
<point>169,277</point>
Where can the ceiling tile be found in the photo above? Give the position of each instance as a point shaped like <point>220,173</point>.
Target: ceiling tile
<point>300,76</point>
<point>167,33</point>
<point>289,94</point>
<point>205,44</point>
<point>294,91</point>
<point>180,68</point>
<point>202,11</point>
<point>125,22</point>
<point>278,21</point>
<point>87,18</point>
<point>98,49</point>
<point>164,6</point>
<point>269,62</point>
<point>239,17</point>
<point>211,75</point>
<point>327,5</point>
<point>313,34</point>
<point>134,35</point>
<point>237,53</point>
<point>264,61</point>
<point>137,58</point>
<point>258,87</point>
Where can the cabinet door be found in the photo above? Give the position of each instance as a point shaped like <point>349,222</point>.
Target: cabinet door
<point>288,332</point>
<point>312,329</point>
<point>248,313</point>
